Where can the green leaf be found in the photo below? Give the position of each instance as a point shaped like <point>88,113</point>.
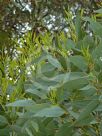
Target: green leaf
<point>3,121</point>
<point>101,128</point>
<point>54,62</point>
<point>40,93</point>
<point>54,111</point>
<point>96,27</point>
<point>65,130</point>
<point>35,109</point>
<point>79,62</point>
<point>21,103</point>
<point>5,131</point>
<point>78,27</point>
<point>47,68</point>
<point>18,130</point>
<point>70,44</point>
<point>86,121</point>
<point>88,90</point>
<point>63,62</point>
<point>68,77</point>
<point>87,110</point>
<point>97,54</point>
<point>99,11</point>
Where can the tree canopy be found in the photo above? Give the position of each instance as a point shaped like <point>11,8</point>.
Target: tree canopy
<point>17,15</point>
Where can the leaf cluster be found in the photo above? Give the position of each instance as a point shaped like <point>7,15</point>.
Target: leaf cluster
<point>53,86</point>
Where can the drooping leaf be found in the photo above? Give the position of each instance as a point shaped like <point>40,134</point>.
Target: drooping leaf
<point>40,94</point>
<point>21,103</point>
<point>54,111</point>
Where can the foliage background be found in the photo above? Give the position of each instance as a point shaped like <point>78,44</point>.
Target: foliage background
<point>50,78</point>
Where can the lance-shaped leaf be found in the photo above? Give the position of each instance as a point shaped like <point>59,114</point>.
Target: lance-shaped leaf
<point>79,62</point>
<point>21,103</point>
<point>54,62</point>
<point>54,111</point>
<point>65,130</point>
<point>87,110</point>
